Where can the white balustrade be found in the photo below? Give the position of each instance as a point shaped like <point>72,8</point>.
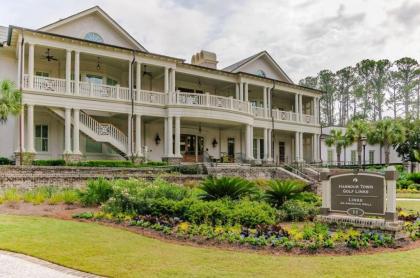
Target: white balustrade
<point>258,112</point>
<point>152,97</point>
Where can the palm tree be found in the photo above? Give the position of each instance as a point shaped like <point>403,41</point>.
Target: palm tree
<point>10,100</point>
<point>340,141</point>
<point>357,131</point>
<point>387,132</point>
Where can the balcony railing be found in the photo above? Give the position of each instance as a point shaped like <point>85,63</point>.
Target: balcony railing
<point>100,91</point>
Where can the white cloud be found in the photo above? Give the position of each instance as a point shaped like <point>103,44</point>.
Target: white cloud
<point>303,36</point>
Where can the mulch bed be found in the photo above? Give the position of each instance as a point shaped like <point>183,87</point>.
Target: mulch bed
<point>65,212</point>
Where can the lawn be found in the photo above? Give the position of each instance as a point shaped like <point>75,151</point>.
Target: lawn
<point>118,253</point>
<point>408,195</point>
<point>409,205</point>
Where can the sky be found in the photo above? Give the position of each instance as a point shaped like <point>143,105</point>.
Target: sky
<point>303,36</point>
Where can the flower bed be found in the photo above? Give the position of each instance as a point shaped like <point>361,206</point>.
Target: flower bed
<point>246,216</point>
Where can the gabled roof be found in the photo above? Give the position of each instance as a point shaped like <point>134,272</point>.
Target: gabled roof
<point>103,14</point>
<point>3,34</point>
<point>236,67</point>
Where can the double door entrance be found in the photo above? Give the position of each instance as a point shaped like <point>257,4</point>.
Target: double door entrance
<point>192,148</point>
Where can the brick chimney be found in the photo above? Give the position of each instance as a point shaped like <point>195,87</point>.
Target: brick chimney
<point>205,59</point>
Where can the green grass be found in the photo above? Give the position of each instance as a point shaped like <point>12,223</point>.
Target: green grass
<point>118,253</point>
<point>408,195</point>
<point>409,205</point>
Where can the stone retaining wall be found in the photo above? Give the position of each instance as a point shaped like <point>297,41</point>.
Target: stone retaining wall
<point>24,177</point>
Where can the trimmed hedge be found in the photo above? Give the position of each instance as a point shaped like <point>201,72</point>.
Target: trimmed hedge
<point>49,162</point>
<point>5,161</point>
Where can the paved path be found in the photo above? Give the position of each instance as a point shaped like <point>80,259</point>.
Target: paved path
<point>14,265</point>
<point>408,199</point>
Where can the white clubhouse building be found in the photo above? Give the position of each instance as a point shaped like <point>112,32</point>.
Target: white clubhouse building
<point>91,91</point>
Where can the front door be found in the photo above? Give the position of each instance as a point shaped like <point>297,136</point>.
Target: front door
<point>192,147</point>
<point>231,149</point>
<point>282,152</point>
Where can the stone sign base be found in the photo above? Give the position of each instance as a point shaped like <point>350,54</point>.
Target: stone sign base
<point>361,222</point>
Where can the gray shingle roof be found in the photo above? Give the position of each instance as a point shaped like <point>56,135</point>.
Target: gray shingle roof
<point>236,65</point>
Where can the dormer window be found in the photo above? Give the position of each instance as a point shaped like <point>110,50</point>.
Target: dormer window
<point>261,73</point>
<point>94,37</point>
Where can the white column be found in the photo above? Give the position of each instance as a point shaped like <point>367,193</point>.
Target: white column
<point>270,143</point>
<point>76,72</point>
<point>237,91</point>
<point>138,136</point>
<point>76,130</point>
<point>173,80</point>
<point>246,91</point>
<point>247,143</point>
<point>22,129</point>
<point>19,49</point>
<point>165,137</point>
<point>166,80</point>
<point>391,191</point>
<point>129,134</point>
<point>300,108</point>
<point>178,136</point>
<point>170,139</point>
<point>297,107</point>
<point>313,147</point>
<point>265,101</point>
<point>67,131</point>
<point>301,146</point>
<point>138,80</point>
<point>265,143</point>
<point>241,91</point>
<point>68,71</point>
<point>31,66</point>
<point>30,129</point>
<point>297,151</point>
<point>130,75</point>
<point>251,142</point>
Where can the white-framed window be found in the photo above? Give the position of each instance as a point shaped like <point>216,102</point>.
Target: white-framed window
<point>371,157</point>
<point>330,155</point>
<point>41,138</point>
<point>94,37</point>
<point>261,73</point>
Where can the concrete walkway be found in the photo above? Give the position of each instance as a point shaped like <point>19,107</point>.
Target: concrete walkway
<point>14,265</point>
<point>408,199</point>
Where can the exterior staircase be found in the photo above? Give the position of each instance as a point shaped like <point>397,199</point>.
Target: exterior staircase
<point>100,132</point>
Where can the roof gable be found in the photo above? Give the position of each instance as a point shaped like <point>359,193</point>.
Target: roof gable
<point>260,64</point>
<point>94,21</point>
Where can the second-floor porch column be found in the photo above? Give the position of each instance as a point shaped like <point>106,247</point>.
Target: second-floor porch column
<point>297,107</point>
<point>139,151</point>
<point>166,80</point>
<point>237,91</point>
<point>300,108</point>
<point>138,80</point>
<point>241,91</point>
<point>265,104</point>
<point>68,71</point>
<point>31,65</point>
<point>76,72</point>
<point>30,129</point>
<point>268,102</point>
<point>76,131</point>
<point>67,130</point>
<point>178,136</point>
<point>245,91</point>
<point>316,110</point>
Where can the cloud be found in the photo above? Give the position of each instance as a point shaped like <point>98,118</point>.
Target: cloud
<point>303,36</point>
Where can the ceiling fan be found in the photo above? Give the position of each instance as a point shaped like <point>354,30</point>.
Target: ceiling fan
<point>47,56</point>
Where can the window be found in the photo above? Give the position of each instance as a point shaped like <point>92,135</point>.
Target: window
<point>43,74</point>
<point>95,79</point>
<point>93,146</point>
<point>353,157</point>
<point>330,156</point>
<point>94,37</point>
<point>41,138</point>
<point>261,73</point>
<point>371,157</point>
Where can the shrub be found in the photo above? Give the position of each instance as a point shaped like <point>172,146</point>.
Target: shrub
<point>5,161</point>
<point>414,177</point>
<point>70,196</point>
<point>97,192</point>
<point>187,169</point>
<point>230,187</point>
<point>35,197</point>
<point>308,197</point>
<point>297,210</point>
<point>281,190</point>
<point>11,195</point>
<point>49,162</point>
<point>404,184</point>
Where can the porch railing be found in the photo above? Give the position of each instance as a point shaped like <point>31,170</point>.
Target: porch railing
<point>87,89</point>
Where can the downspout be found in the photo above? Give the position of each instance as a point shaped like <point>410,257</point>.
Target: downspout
<point>132,106</point>
<point>20,89</point>
<point>319,121</point>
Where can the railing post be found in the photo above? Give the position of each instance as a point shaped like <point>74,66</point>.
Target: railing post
<point>117,89</point>
<point>207,99</point>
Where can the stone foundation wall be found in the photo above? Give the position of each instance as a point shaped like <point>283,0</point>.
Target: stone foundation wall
<point>25,177</point>
<point>254,172</point>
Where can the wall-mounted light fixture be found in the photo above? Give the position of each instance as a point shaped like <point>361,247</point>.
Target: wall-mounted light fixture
<point>214,143</point>
<point>98,66</point>
<point>157,139</point>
